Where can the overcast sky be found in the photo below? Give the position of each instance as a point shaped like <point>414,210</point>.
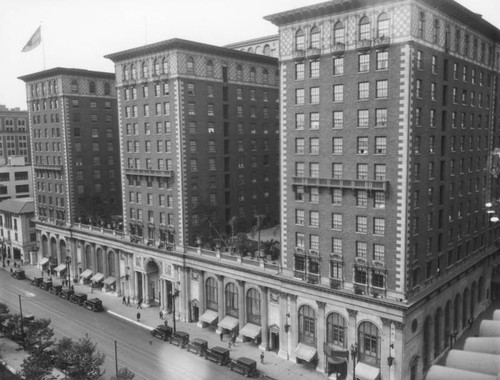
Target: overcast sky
<point>78,33</point>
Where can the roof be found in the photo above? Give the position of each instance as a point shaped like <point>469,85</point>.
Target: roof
<point>18,206</point>
<point>67,71</point>
<point>177,43</point>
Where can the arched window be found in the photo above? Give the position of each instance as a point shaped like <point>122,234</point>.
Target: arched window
<point>364,28</point>
<point>250,50</point>
<point>126,73</point>
<point>480,289</point>
<point>421,25</point>
<point>267,50</point>
<point>446,323</point>
<point>99,261</point>
<point>339,33</point>
<point>211,294</point>
<point>457,40</point>
<point>231,300</point>
<point>210,68</point>
<point>456,313</point>
<point>107,89</point>
<point>258,50</point>
<point>435,32</point>
<point>467,45</point>
<point>156,67</point>
<point>315,38</point>
<point>472,302</point>
<point>465,297</point>
<point>437,332</point>
<point>265,76</point>
<point>133,72</point>
<point>369,344</point>
<point>74,86</point>
<point>144,69</point>
<point>426,342</point>
<point>383,25</point>
<point>239,73</point>
<point>92,87</point>
<point>253,306</point>
<point>88,258</point>
<point>307,325</point>
<point>300,40</point>
<point>111,264</point>
<point>190,65</point>
<point>164,66</point>
<point>336,330</point>
<point>252,74</point>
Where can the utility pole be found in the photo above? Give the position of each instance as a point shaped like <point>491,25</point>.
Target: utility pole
<point>116,360</point>
<point>22,321</point>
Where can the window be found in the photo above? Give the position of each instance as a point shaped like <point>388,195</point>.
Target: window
<point>362,171</point>
<point>338,65</point>
<point>299,70</point>
<point>363,62</point>
<point>379,199</point>
<point>337,145</point>
<point>338,119</point>
<point>299,121</point>
<point>434,64</point>
<point>362,145</point>
<point>314,169</point>
<point>299,145</point>
<point>314,95</point>
<point>369,344</point>
<point>337,197</point>
<point>314,120</point>
<point>300,40</point>
<point>337,170</point>
<point>314,145</point>
<point>336,326</point>
<point>381,117</point>
<point>378,252</point>
<point>361,198</point>
<point>253,306</point>
<point>421,25</point>
<point>211,294</point>
<point>299,217</point>
<point>363,118</point>
<point>337,221</point>
<point>361,224</point>
<point>418,88</point>
<point>420,60</point>
<point>435,32</point>
<point>338,33</point>
<point>210,68</point>
<point>381,91</point>
<point>363,90</point>
<point>380,172</point>
<point>364,29</point>
<point>361,249</point>
<point>383,25</point>
<point>314,69</point>
<point>338,93</point>
<point>433,91</point>
<point>380,145</point>
<point>299,96</point>
<point>307,325</point>
<point>382,60</point>
<point>190,65</point>
<point>379,226</point>
<point>314,218</point>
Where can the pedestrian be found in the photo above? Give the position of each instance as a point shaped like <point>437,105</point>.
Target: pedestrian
<point>161,314</point>
<point>128,301</point>
<point>91,289</point>
<point>12,270</point>
<point>124,300</point>
<point>166,323</point>
<point>229,344</point>
<point>138,316</point>
<point>262,357</point>
<point>233,338</point>
<point>221,335</point>
<point>139,301</point>
<point>470,321</point>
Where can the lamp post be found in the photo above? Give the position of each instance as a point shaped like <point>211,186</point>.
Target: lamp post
<point>2,242</point>
<point>175,294</point>
<point>68,265</point>
<point>354,354</point>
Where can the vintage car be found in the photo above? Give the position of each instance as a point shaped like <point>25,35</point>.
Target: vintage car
<point>18,273</point>
<point>179,338</point>
<point>46,285</point>
<point>245,366</point>
<point>78,298</point>
<point>162,332</point>
<point>198,346</point>
<point>37,281</point>
<point>66,293</point>
<point>55,289</point>
<point>94,304</point>
<point>218,355</point>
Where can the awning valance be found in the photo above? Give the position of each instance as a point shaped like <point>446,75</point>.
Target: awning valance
<point>228,323</point>
<point>366,372</point>
<point>60,267</point>
<point>98,277</point>
<point>109,281</point>
<point>43,261</point>
<point>86,274</point>
<point>305,352</point>
<point>250,331</point>
<point>209,316</point>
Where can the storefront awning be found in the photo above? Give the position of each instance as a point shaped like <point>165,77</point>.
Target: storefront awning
<point>366,372</point>
<point>86,274</point>
<point>43,261</point>
<point>209,316</point>
<point>98,277</point>
<point>109,281</point>
<point>305,352</point>
<point>228,323</point>
<point>60,267</point>
<point>250,331</point>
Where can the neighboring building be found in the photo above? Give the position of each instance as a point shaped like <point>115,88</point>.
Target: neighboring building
<point>17,230</point>
<point>14,134</point>
<point>268,45</point>
<point>388,123</point>
<point>199,132</point>
<point>75,145</point>
<point>15,178</point>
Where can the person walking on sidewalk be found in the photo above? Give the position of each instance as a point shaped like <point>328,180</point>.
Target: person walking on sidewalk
<point>128,301</point>
<point>229,344</point>
<point>139,301</point>
<point>233,338</point>
<point>138,316</point>
<point>124,300</point>
<point>161,314</point>
<point>221,335</point>
<point>262,357</point>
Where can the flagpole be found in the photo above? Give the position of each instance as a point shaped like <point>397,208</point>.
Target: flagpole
<point>43,45</point>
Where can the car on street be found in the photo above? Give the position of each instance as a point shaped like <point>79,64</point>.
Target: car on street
<point>162,332</point>
<point>46,285</point>
<point>37,281</point>
<point>18,273</point>
<point>55,289</point>
<point>198,346</point>
<point>66,293</point>
<point>247,367</point>
<point>94,304</point>
<point>78,298</point>
<point>218,355</point>
<point>179,338</point>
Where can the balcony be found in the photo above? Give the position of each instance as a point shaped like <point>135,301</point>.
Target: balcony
<point>299,55</point>
<point>363,44</point>
<point>338,48</point>
<point>150,172</point>
<point>355,184</point>
<point>382,41</point>
<point>313,278</point>
<point>313,52</point>
<point>48,167</point>
<point>336,283</point>
<point>299,274</point>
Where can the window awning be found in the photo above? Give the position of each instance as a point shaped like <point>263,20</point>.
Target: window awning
<point>86,274</point>
<point>60,267</point>
<point>250,331</point>
<point>109,281</point>
<point>98,277</point>
<point>366,372</point>
<point>305,352</point>
<point>228,323</point>
<point>43,261</point>
<point>209,316</point>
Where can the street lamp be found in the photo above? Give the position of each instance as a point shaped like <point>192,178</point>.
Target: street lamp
<point>68,265</point>
<point>354,354</point>
<point>2,242</point>
<point>175,294</point>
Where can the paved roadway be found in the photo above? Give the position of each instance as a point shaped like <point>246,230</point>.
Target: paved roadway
<point>149,358</point>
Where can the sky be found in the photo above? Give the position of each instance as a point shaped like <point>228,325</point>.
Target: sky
<point>78,33</point>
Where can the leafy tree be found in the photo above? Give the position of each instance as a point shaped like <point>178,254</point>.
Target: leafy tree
<point>82,361</point>
<point>123,374</point>
<point>38,336</point>
<point>37,366</point>
<point>63,346</point>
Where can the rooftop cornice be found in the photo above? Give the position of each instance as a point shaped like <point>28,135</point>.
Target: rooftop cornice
<point>56,71</point>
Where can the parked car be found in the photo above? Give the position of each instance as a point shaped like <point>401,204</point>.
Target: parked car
<point>162,332</point>
<point>78,298</point>
<point>55,289</point>
<point>66,293</point>
<point>18,273</point>
<point>94,304</point>
<point>198,346</point>
<point>46,285</point>
<point>245,366</point>
<point>37,281</point>
<point>179,338</point>
<point>218,355</point>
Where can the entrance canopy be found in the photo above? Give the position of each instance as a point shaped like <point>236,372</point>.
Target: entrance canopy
<point>86,274</point>
<point>228,323</point>
<point>98,277</point>
<point>367,372</point>
<point>60,267</point>
<point>250,331</point>
<point>109,281</point>
<point>209,316</point>
<point>305,352</point>
<point>43,261</point>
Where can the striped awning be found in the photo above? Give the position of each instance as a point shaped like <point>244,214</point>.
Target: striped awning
<point>229,323</point>
<point>366,372</point>
<point>86,274</point>
<point>60,267</point>
<point>209,316</point>
<point>251,331</point>
<point>98,277</point>
<point>43,261</point>
<point>109,281</point>
<point>305,352</point>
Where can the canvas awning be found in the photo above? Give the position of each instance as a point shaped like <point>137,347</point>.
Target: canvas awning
<point>366,372</point>
<point>60,267</point>
<point>109,281</point>
<point>228,323</point>
<point>305,352</point>
<point>43,261</point>
<point>209,316</point>
<point>250,330</point>
<point>98,277</point>
<point>86,274</point>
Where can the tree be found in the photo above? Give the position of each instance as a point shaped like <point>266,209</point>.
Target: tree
<point>38,342</point>
<point>82,360</point>
<point>37,366</point>
<point>39,336</point>
<point>123,374</point>
<point>64,345</point>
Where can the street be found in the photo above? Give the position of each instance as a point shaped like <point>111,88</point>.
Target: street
<point>149,358</point>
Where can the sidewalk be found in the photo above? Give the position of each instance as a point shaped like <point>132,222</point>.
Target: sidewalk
<point>274,367</point>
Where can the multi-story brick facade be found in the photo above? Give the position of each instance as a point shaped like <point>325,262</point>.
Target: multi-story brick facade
<point>14,134</point>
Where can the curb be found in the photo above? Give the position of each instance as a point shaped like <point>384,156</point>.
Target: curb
<point>8,367</point>
<point>130,320</point>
